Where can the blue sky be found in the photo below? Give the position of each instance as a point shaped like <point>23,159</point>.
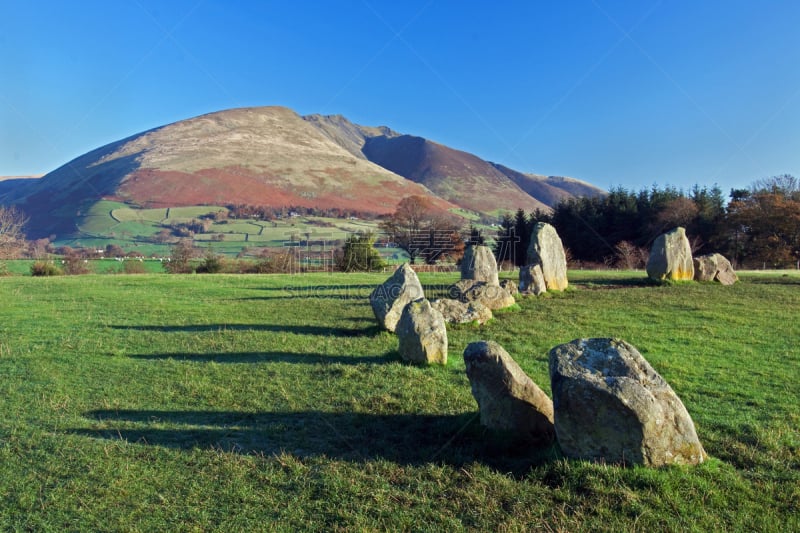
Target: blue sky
<point>618,93</point>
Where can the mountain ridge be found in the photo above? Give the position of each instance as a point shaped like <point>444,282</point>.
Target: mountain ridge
<point>269,156</point>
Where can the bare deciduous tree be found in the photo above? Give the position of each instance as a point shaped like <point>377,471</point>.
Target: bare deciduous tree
<point>423,231</point>
<point>629,256</point>
<point>12,238</point>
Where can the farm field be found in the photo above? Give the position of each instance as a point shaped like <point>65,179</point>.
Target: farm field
<point>273,402</point>
<point>134,229</point>
<point>108,222</point>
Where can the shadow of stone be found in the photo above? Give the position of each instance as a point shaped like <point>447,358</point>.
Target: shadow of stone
<point>621,283</point>
<point>407,439</point>
<point>272,357</point>
<point>369,331</point>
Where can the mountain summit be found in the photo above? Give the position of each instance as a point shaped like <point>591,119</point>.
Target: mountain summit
<point>271,156</point>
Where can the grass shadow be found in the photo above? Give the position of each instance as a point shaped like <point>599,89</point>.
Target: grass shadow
<point>784,279</point>
<point>407,439</point>
<point>614,283</point>
<point>369,331</point>
<point>272,357</point>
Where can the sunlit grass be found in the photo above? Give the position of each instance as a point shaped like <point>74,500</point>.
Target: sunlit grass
<point>158,402</point>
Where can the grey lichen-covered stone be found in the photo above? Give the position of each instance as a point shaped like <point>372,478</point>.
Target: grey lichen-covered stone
<point>714,267</point>
<point>492,296</point>
<point>671,257</point>
<point>479,264</point>
<point>547,251</point>
<point>612,406</point>
<point>510,287</point>
<point>507,398</point>
<point>457,312</point>
<point>531,280</point>
<point>422,334</point>
<point>390,298</point>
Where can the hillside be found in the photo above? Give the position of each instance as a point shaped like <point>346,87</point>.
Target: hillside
<point>456,176</point>
<point>459,177</point>
<point>273,157</point>
<point>265,156</point>
<point>550,190</point>
<point>9,184</point>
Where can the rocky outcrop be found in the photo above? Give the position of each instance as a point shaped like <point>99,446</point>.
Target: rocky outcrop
<point>492,296</point>
<point>714,267</point>
<point>479,264</point>
<point>390,298</point>
<point>547,251</point>
<point>457,312</point>
<point>422,334</point>
<point>507,398</point>
<point>671,257</point>
<point>531,280</point>
<point>611,406</point>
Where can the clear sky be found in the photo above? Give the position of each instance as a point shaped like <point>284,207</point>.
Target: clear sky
<point>619,93</point>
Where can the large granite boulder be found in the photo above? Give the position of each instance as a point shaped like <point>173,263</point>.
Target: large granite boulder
<point>612,406</point>
<point>492,296</point>
<point>671,257</point>
<point>531,280</point>
<point>714,267</point>
<point>422,334</point>
<point>458,312</point>
<point>507,398</point>
<point>390,298</point>
<point>479,264</point>
<point>547,251</point>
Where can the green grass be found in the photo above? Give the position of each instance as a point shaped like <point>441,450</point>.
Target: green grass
<point>108,222</point>
<point>129,214</point>
<point>22,267</point>
<point>196,211</point>
<point>247,403</point>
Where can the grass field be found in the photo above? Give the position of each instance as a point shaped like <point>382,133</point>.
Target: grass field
<point>107,222</point>
<point>254,403</point>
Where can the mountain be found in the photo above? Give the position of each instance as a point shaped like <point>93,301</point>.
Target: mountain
<point>15,183</point>
<point>271,156</point>
<point>459,177</point>
<point>265,156</point>
<point>550,189</point>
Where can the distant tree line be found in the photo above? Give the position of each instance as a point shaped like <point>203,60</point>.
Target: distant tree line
<point>759,226</point>
<point>260,212</point>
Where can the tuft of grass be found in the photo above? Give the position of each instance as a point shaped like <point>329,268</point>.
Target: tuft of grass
<point>274,402</point>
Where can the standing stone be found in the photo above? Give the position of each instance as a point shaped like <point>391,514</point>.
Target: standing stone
<point>547,251</point>
<point>457,312</point>
<point>492,296</point>
<point>671,257</point>
<point>612,406</point>
<point>531,280</point>
<point>479,264</point>
<point>389,299</point>
<point>714,267</point>
<point>422,334</point>
<point>510,287</point>
<point>507,398</point>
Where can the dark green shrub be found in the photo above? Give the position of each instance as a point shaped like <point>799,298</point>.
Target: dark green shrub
<point>359,254</point>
